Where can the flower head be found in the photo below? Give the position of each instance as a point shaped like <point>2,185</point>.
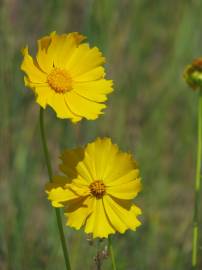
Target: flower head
<point>97,189</point>
<point>193,74</point>
<point>68,76</point>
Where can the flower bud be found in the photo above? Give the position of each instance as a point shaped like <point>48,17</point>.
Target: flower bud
<point>193,74</point>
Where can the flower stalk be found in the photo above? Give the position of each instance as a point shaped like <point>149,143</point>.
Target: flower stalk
<point>195,243</point>
<point>111,251</point>
<point>57,211</point>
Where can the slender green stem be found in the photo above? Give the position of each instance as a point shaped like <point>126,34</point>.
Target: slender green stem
<point>112,253</point>
<point>57,211</point>
<point>197,187</point>
<point>98,259</point>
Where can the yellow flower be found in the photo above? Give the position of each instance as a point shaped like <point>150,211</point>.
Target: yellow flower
<point>97,189</point>
<point>68,76</point>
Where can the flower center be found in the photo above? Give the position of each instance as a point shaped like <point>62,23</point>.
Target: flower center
<point>60,80</point>
<point>97,189</point>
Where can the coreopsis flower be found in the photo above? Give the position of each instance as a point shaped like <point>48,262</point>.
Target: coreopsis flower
<point>97,189</point>
<point>193,74</point>
<point>68,76</point>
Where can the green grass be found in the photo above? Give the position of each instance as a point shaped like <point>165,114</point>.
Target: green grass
<point>147,45</point>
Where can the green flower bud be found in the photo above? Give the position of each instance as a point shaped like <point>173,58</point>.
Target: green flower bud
<point>193,74</point>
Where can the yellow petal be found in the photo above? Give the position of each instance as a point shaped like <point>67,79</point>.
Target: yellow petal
<point>77,36</point>
<point>28,83</point>
<point>98,223</point>
<point>84,172</point>
<point>85,59</point>
<point>126,178</point>
<point>77,211</point>
<point>55,46</point>
<point>92,75</point>
<point>73,62</point>
<point>95,90</point>
<point>44,95</point>
<point>67,48</point>
<point>82,106</point>
<point>117,221</point>
<point>44,61</point>
<point>90,160</point>
<point>32,85</point>
<point>135,210</point>
<point>47,96</point>
<point>110,151</point>
<point>127,216</point>
<point>78,164</point>
<point>44,43</point>
<point>125,191</point>
<point>124,162</point>
<point>62,47</point>
<point>73,165</point>
<point>81,182</point>
<point>79,186</point>
<point>61,107</point>
<point>99,151</point>
<point>59,195</point>
<point>34,74</point>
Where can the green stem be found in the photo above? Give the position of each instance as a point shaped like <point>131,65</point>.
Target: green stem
<point>197,187</point>
<point>98,259</point>
<point>112,253</point>
<point>57,211</point>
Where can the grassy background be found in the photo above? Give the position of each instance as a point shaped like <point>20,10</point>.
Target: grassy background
<point>147,45</point>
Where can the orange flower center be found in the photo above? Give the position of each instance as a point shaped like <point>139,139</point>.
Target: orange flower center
<point>60,80</point>
<point>97,189</point>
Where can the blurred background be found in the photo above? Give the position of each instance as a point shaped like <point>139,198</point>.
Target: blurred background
<point>151,113</point>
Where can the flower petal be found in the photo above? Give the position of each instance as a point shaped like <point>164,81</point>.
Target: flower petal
<point>77,212</point>
<point>99,151</point>
<point>118,214</point>
<point>126,178</point>
<point>98,223</point>
<point>73,165</point>
<point>34,74</point>
<point>44,94</point>
<point>124,162</point>
<point>92,75</point>
<point>85,59</point>
<point>82,106</point>
<point>43,58</point>
<point>125,191</point>
<point>47,96</point>
<point>61,107</point>
<point>73,63</point>
<point>95,90</point>
<point>62,47</point>
<point>55,46</point>
<point>117,221</point>
<point>44,61</point>
<point>67,49</point>
<point>44,42</point>
<point>58,196</point>
<point>79,187</point>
